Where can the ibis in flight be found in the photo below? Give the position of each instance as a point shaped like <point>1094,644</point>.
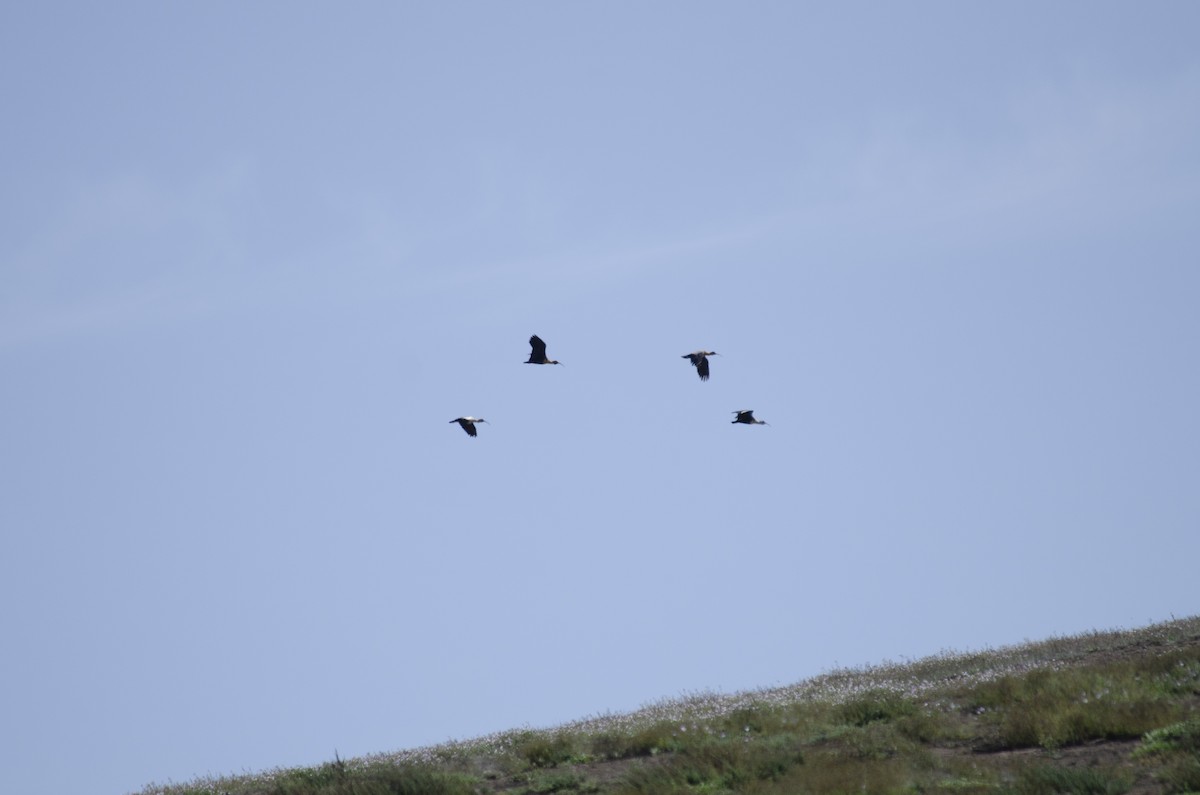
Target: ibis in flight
<point>538,354</point>
<point>468,424</point>
<point>746,417</point>
<point>700,362</point>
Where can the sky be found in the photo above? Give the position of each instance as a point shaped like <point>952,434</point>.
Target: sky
<point>255,257</point>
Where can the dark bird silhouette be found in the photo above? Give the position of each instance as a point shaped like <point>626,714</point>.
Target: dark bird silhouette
<point>746,417</point>
<point>700,362</point>
<point>538,354</point>
<point>468,424</point>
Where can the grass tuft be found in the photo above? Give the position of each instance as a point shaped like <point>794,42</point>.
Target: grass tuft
<point>336,778</point>
<point>1047,780</point>
<point>877,705</point>
<point>1109,701</point>
<point>543,750</point>
<point>1181,736</point>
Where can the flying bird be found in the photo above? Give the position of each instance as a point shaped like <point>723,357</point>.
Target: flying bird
<point>700,362</point>
<point>538,354</point>
<point>746,417</point>
<point>468,424</point>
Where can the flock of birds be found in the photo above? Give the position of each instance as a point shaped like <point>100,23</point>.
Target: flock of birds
<point>537,355</point>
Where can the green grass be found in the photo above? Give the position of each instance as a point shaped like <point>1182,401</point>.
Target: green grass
<point>1182,736</point>
<point>1118,700</point>
<point>545,750</point>
<point>1176,751</point>
<point>336,779</point>
<point>1049,780</point>
<point>1096,714</point>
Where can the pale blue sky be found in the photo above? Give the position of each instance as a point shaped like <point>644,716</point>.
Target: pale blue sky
<point>255,256</point>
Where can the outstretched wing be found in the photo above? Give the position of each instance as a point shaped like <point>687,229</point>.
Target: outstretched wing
<point>699,360</point>
<point>538,354</point>
<point>466,425</point>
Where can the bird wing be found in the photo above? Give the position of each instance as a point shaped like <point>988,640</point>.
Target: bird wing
<point>539,348</point>
<point>702,368</point>
<point>469,427</point>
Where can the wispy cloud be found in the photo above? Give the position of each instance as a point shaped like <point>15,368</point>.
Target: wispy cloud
<point>1075,151</point>
<point>1058,158</point>
<point>143,248</point>
<point>122,251</point>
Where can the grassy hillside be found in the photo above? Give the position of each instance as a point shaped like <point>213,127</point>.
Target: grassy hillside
<point>1105,712</point>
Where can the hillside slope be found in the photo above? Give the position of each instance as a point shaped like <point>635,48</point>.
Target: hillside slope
<point>1103,712</point>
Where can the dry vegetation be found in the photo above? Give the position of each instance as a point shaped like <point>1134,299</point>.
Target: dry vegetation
<point>1105,712</point>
